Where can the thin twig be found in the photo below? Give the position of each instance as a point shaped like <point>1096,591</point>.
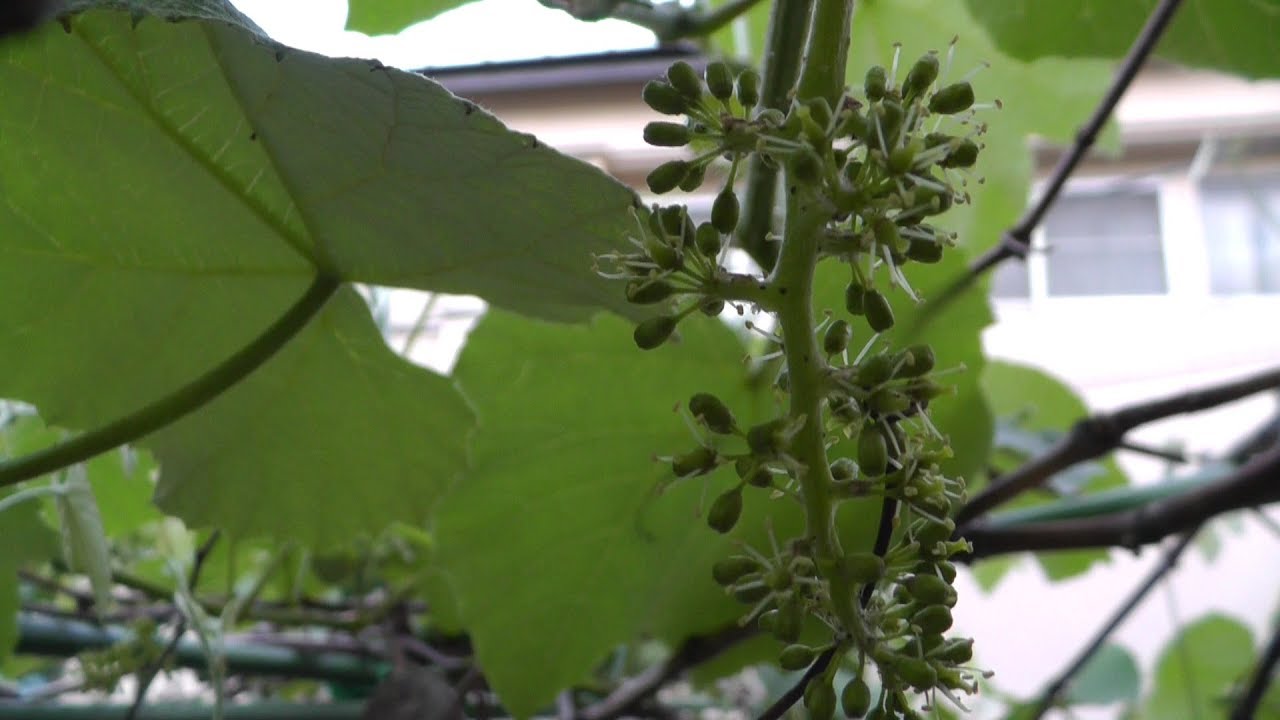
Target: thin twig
<point>884,534</point>
<point>793,695</point>
<point>148,674</point>
<point>1254,483</point>
<point>1173,456</point>
<point>1016,241</point>
<point>1247,707</point>
<point>1099,434</point>
<point>1050,695</point>
<point>693,652</point>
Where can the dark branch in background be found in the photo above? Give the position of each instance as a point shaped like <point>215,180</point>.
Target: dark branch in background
<point>884,533</point>
<point>793,695</point>
<point>788,23</point>
<point>1099,434</point>
<point>1247,706</point>
<point>1050,695</point>
<point>1016,241</point>
<point>148,674</point>
<point>695,651</point>
<point>1256,482</point>
<point>668,21</point>
<point>1173,456</point>
<point>182,401</point>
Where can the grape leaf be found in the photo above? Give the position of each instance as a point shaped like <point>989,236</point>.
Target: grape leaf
<point>226,171</point>
<point>383,17</point>
<point>1110,676</point>
<point>1238,37</point>
<point>1196,669</point>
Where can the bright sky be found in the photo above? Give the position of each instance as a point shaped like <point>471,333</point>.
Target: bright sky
<point>484,31</point>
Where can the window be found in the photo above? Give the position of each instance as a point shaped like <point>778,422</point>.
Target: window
<point>1105,244</point>
<point>1242,231</point>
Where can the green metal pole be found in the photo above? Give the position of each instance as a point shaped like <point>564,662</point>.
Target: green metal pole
<point>41,635</point>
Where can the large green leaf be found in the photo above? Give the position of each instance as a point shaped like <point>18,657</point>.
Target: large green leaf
<point>564,487</point>
<point>1197,668</point>
<point>171,187</point>
<point>1110,676</point>
<point>1236,36</point>
<point>1033,400</point>
<point>382,17</point>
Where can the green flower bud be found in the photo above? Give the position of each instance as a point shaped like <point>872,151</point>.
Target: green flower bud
<point>719,80</point>
<point>820,111</point>
<point>900,159</point>
<point>920,360</point>
<point>766,438</point>
<point>790,620</point>
<point>647,292</point>
<point>876,83</point>
<point>929,533</point>
<point>724,211</point>
<point>667,176</point>
<point>875,370</point>
<point>956,651</point>
<point>713,412</point>
<point>725,510</point>
<point>796,657</point>
<point>855,699</point>
<point>663,98</point>
<point>662,254</point>
<point>820,699</point>
<point>712,307</point>
<point>778,579</point>
<point>929,589</point>
<point>836,339</point>
<point>873,451</point>
<point>921,76</point>
<point>887,119</point>
<point>768,620</point>
<point>666,134</point>
<point>730,570</point>
<point>707,240</point>
<point>853,124</point>
<point>932,619</point>
<point>653,332</point>
<point>771,117</point>
<point>749,88</point>
<point>924,250</point>
<point>853,299</point>
<point>879,313</point>
<point>888,401</point>
<point>693,179</point>
<point>863,567</point>
<point>917,673</point>
<point>699,461</point>
<point>952,99</point>
<point>963,155</point>
<point>947,570</point>
<point>843,469</point>
<point>684,78</point>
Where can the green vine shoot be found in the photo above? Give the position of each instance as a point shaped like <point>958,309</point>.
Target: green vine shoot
<point>867,174</point>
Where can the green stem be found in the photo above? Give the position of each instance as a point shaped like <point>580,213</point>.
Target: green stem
<point>827,51</point>
<point>788,23</point>
<point>31,493</point>
<point>806,363</point>
<point>182,401</point>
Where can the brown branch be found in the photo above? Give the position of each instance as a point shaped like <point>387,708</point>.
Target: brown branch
<point>1170,560</point>
<point>1099,434</point>
<point>1016,240</point>
<point>793,695</point>
<point>1246,708</point>
<point>634,691</point>
<point>1254,483</point>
